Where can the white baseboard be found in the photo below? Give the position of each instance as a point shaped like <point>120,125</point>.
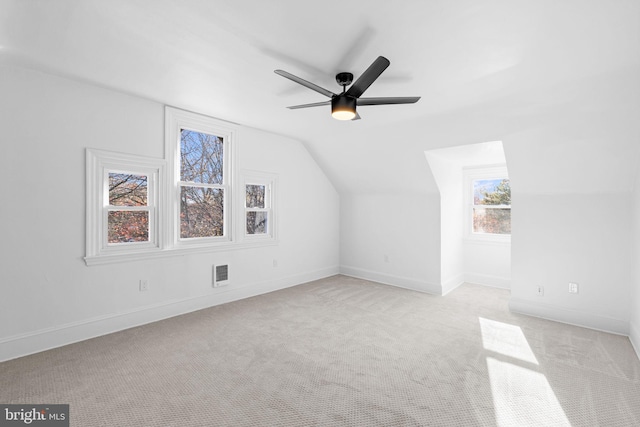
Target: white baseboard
<point>58,336</point>
<point>447,286</point>
<point>634,337</point>
<point>488,280</point>
<point>451,283</point>
<point>572,317</point>
<point>388,279</point>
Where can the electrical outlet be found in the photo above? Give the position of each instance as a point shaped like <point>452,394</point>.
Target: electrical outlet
<point>275,262</point>
<point>144,285</point>
<point>540,290</point>
<point>573,288</point>
<point>386,258</point>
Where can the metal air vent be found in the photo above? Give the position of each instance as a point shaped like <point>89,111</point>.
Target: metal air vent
<point>220,275</point>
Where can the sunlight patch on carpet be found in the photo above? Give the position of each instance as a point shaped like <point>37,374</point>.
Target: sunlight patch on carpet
<point>506,339</point>
<point>522,396</point>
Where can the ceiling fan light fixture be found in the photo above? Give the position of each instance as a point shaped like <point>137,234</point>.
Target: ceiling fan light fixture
<point>343,107</point>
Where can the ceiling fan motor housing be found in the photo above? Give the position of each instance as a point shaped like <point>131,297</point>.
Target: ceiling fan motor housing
<point>344,79</point>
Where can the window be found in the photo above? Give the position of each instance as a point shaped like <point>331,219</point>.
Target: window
<point>489,197</point>
<point>492,206</point>
<point>199,154</point>
<point>259,221</point>
<point>128,209</point>
<point>123,203</point>
<point>201,185</point>
<point>257,209</point>
<point>140,208</point>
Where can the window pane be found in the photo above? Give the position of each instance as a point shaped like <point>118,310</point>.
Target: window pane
<point>492,221</point>
<point>127,189</point>
<point>255,196</point>
<point>491,192</point>
<point>128,226</point>
<point>257,222</point>
<point>201,212</point>
<point>201,157</point>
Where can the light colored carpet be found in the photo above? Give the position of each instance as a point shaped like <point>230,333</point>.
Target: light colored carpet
<point>341,352</point>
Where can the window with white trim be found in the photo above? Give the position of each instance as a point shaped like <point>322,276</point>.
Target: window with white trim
<point>488,193</point>
<point>257,209</point>
<point>123,209</point>
<point>199,154</point>
<point>259,218</point>
<point>140,207</point>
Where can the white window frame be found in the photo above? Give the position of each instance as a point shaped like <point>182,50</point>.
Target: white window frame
<point>472,174</point>
<point>175,121</point>
<point>163,193</point>
<point>99,163</point>
<point>269,180</point>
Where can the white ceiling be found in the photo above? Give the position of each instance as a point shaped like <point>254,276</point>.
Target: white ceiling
<point>485,69</point>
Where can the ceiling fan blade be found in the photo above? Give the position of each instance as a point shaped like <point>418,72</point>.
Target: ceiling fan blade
<point>315,104</point>
<point>369,76</point>
<point>357,117</point>
<point>305,83</point>
<point>388,100</point>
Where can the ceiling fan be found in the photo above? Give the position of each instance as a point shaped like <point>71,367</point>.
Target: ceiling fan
<point>343,105</point>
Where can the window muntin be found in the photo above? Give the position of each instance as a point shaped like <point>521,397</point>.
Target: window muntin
<point>491,211</point>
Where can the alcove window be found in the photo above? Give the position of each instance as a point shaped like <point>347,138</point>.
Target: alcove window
<point>488,201</point>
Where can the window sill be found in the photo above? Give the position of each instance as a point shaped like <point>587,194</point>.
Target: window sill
<point>173,252</point>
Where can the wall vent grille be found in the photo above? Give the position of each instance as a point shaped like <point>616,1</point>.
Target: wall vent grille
<point>220,275</point>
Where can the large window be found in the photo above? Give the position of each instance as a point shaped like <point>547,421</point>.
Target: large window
<point>199,153</point>
<point>201,185</point>
<point>489,199</point>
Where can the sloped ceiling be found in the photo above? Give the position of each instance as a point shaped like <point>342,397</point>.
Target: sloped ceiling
<point>558,80</point>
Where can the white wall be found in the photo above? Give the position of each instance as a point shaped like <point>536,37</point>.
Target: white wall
<point>392,238</point>
<point>634,324</point>
<point>487,263</point>
<point>572,216</point>
<point>417,240</point>
<point>581,238</point>
<point>49,296</point>
<point>448,176</point>
<point>464,259</point>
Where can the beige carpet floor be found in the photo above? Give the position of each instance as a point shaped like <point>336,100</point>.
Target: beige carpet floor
<point>341,352</point>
